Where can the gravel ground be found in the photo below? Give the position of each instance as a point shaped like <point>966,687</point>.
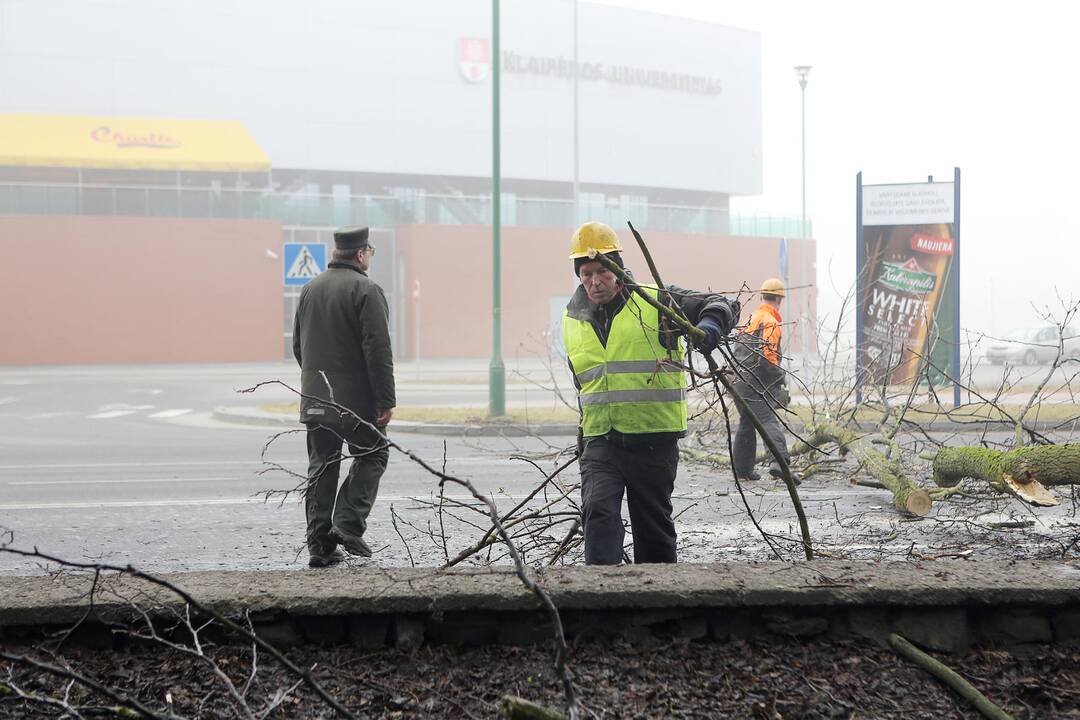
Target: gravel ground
<point>702,679</point>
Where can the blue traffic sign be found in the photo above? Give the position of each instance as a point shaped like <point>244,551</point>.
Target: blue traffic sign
<point>303,261</point>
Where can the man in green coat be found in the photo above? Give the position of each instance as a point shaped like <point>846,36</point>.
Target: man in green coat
<point>341,339</point>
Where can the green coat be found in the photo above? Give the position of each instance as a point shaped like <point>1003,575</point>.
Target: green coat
<point>342,329</point>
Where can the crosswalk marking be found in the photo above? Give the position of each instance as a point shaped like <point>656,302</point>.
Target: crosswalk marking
<point>109,414</point>
<point>171,413</point>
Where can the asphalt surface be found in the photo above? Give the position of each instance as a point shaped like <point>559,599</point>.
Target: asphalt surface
<point>126,465</point>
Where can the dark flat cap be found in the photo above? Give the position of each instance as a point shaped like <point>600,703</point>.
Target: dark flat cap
<point>351,237</point>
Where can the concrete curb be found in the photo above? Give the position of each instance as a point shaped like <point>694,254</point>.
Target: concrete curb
<point>246,415</point>
<point>942,604</point>
<point>372,589</point>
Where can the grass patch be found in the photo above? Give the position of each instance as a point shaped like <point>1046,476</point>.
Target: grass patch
<point>1048,412</point>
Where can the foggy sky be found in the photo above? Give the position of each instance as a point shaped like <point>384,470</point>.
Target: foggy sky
<point>905,90</point>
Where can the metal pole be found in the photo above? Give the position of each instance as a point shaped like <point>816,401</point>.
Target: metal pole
<point>956,290</point>
<point>804,71</point>
<point>496,371</point>
<point>577,187</point>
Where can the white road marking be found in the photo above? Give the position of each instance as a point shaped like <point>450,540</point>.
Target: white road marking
<point>295,461</point>
<point>108,415</point>
<point>274,501</point>
<point>171,413</point>
<point>121,482</point>
<point>185,463</point>
<point>130,503</point>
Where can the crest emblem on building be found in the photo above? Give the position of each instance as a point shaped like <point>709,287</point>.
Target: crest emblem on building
<point>474,59</point>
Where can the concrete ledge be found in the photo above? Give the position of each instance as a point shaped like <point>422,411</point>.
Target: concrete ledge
<point>943,605</point>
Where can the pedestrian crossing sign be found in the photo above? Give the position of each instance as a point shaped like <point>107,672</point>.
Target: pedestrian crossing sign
<point>303,261</point>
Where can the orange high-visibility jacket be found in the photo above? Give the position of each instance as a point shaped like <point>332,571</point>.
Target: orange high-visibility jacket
<point>765,325</point>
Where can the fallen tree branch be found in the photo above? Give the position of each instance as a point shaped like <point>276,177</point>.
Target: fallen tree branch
<point>516,708</point>
<point>184,595</point>
<point>908,496</point>
<point>948,676</point>
<point>128,707</point>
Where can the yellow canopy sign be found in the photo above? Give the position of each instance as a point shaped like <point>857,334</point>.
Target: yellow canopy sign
<point>128,142</point>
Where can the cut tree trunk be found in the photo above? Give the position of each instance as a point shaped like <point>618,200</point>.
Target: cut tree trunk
<point>908,496</point>
<point>1025,471</point>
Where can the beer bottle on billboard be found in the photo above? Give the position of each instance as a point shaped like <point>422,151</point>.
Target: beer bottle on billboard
<point>908,268</point>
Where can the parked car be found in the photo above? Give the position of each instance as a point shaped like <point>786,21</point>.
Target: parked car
<point>1033,345</point>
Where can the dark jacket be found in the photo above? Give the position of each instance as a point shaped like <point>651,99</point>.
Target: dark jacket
<point>342,329</point>
<point>692,304</point>
<point>758,353</point>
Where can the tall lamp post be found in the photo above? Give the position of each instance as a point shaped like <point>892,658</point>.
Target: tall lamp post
<point>496,371</point>
<point>803,73</point>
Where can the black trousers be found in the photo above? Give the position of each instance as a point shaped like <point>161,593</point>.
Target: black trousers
<point>647,475</point>
<point>325,504</point>
<point>744,445</point>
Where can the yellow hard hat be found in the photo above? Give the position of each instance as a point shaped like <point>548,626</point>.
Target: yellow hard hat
<point>774,286</point>
<point>593,236</point>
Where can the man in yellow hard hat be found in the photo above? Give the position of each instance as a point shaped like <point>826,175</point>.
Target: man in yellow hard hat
<point>627,366</point>
<point>761,381</point>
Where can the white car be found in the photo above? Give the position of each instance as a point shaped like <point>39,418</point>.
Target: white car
<point>1036,345</point>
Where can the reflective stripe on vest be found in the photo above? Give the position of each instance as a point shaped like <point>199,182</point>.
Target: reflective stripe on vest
<point>632,385</point>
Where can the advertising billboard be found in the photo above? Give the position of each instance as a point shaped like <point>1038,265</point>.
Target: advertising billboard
<point>907,294</point>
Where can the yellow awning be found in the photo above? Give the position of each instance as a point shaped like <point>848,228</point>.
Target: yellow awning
<point>128,142</point>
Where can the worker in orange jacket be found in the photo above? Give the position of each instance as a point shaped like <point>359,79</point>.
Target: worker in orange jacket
<point>761,381</point>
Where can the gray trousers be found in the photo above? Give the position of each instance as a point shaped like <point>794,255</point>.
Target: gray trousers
<point>744,446</point>
<point>647,475</point>
<point>354,499</point>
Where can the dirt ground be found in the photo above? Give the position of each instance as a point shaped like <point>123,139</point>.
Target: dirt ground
<point>702,679</point>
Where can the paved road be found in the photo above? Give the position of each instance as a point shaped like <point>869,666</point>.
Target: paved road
<point>124,464</point>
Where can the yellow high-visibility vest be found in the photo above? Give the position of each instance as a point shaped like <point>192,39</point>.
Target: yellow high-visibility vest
<point>631,384</point>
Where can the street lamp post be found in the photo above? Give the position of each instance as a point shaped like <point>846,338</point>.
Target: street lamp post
<point>803,73</point>
<point>496,371</point>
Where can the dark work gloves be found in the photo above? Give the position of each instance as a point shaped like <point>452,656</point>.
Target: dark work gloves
<point>716,321</point>
<point>713,332</point>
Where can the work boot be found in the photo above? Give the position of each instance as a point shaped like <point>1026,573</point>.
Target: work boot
<point>353,544</point>
<point>776,472</point>
<point>750,476</point>
<point>323,557</point>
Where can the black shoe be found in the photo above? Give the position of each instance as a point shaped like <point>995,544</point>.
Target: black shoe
<point>353,544</point>
<point>321,558</point>
<point>751,476</point>
<point>776,472</point>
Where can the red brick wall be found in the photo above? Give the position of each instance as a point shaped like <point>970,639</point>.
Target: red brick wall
<point>139,290</point>
<point>453,264</point>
